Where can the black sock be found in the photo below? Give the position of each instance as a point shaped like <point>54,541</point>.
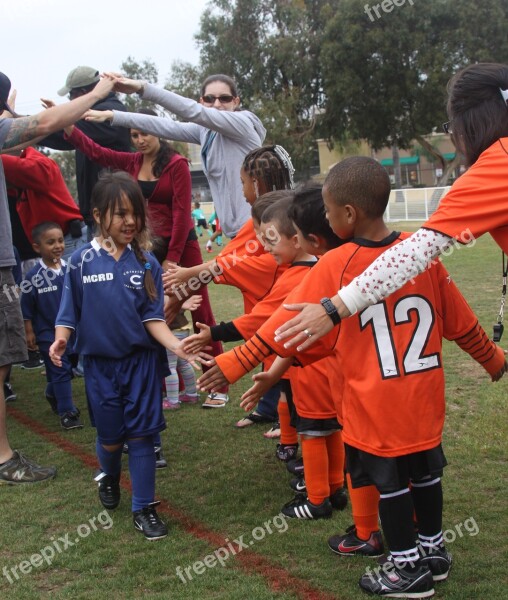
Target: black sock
<point>396,513</point>
<point>428,502</point>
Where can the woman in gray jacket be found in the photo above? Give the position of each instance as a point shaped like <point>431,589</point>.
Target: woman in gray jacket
<point>225,134</point>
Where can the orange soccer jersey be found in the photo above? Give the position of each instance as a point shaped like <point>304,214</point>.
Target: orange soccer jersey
<point>390,353</point>
<point>234,364</point>
<point>477,202</point>
<point>254,276</point>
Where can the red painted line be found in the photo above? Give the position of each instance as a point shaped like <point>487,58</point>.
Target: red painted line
<point>277,578</point>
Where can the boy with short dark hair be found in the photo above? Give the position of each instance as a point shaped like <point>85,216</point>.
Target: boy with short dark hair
<point>39,304</point>
<point>393,405</point>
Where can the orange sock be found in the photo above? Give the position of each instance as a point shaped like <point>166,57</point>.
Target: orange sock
<point>315,459</point>
<point>288,434</point>
<point>364,506</point>
<point>335,449</point>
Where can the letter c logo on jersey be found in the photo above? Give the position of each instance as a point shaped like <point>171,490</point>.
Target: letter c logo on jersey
<point>134,279</point>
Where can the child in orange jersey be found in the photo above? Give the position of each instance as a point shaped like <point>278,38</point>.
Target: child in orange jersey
<point>280,240</point>
<point>390,355</point>
<point>315,417</point>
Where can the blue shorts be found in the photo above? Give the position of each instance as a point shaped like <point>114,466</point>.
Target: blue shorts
<point>124,396</point>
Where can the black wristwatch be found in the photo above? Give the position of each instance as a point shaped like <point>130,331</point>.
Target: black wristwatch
<point>331,311</point>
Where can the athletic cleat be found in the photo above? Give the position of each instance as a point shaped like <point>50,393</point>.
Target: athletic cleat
<point>351,545</point>
<point>52,402</point>
<point>390,582</point>
<point>302,508</point>
<point>298,484</point>
<point>34,361</point>
<point>160,461</point>
<point>339,498</point>
<point>295,467</point>
<point>109,489</point>
<point>20,469</point>
<point>9,394</point>
<point>286,452</point>
<point>439,562</point>
<point>149,523</point>
<point>71,421</point>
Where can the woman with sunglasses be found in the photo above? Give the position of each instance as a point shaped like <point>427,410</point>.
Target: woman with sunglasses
<point>225,133</point>
<point>477,203</point>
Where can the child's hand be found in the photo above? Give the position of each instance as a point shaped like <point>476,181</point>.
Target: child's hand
<point>197,341</point>
<point>192,303</point>
<point>31,344</point>
<point>194,358</point>
<point>175,276</point>
<point>262,383</point>
<point>212,380</point>
<point>57,350</point>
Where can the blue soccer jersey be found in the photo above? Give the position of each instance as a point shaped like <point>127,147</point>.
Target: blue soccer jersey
<point>41,292</point>
<point>108,300</point>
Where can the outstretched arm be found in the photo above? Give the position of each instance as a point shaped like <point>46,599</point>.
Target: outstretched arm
<point>27,130</point>
<point>388,273</point>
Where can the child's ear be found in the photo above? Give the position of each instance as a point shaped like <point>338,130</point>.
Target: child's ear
<point>96,215</point>
<point>351,214</point>
<point>314,240</point>
<point>36,248</point>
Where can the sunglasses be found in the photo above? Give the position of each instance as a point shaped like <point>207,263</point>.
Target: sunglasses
<point>447,127</point>
<point>223,99</point>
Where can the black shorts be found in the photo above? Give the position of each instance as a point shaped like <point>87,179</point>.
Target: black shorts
<point>390,474</point>
<point>303,424</point>
<point>202,223</point>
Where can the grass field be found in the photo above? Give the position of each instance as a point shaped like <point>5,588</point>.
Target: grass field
<point>223,484</point>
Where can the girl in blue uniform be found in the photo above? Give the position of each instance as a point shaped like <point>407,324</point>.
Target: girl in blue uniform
<point>113,291</point>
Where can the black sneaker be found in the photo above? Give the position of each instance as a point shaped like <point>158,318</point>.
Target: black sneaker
<point>295,466</point>
<point>391,582</point>
<point>439,562</point>
<point>34,361</point>
<point>302,508</point>
<point>286,452</point>
<point>9,394</point>
<point>71,420</point>
<point>339,498</point>
<point>149,523</point>
<point>20,469</point>
<point>160,461</point>
<point>52,402</point>
<point>298,484</point>
<point>109,489</point>
<point>351,545</point>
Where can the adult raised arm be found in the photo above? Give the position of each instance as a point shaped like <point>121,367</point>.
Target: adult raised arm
<point>477,203</point>
<point>27,130</point>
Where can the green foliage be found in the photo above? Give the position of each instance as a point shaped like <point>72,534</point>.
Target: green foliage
<point>145,70</point>
<point>67,163</point>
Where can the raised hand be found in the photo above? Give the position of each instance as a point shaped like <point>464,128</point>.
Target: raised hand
<point>212,380</point>
<point>197,341</point>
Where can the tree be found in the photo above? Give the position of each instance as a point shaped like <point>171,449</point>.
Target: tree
<point>145,70</point>
<point>385,78</point>
<point>271,48</point>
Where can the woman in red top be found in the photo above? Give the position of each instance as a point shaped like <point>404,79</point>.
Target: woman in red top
<point>164,178</point>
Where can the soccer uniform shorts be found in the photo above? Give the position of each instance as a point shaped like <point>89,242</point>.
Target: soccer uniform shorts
<point>392,474</point>
<point>124,396</point>
<point>12,329</point>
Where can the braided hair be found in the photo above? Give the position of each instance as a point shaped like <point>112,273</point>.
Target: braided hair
<point>111,191</point>
<point>166,151</point>
<point>271,167</point>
